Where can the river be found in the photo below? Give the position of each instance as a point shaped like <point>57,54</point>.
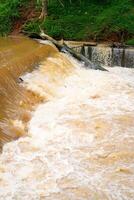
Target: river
<point>71,128</point>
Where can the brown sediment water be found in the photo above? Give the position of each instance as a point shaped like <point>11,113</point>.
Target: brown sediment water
<point>79,141</point>
<point>18,55</point>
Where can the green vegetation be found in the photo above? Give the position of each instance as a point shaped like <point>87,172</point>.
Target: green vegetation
<point>9,11</point>
<point>76,20</point>
<point>130,42</point>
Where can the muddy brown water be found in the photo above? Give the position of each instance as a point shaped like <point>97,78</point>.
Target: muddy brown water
<point>18,55</point>
<point>72,128</point>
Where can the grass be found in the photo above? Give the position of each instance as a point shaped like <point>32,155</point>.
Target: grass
<point>80,20</point>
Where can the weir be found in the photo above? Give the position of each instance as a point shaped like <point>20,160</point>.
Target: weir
<point>18,55</point>
<point>72,126</point>
<point>108,56</point>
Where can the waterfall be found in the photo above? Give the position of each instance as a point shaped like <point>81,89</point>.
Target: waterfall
<point>18,55</point>
<point>102,56</point>
<point>108,56</point>
<point>117,57</point>
<point>76,141</point>
<point>129,57</point>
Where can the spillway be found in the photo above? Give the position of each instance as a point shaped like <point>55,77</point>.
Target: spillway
<point>75,131</point>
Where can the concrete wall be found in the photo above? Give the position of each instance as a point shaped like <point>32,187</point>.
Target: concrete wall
<point>107,56</point>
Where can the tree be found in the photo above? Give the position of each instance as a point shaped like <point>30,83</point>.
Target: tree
<point>44,11</point>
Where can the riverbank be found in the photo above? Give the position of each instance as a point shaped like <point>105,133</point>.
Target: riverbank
<point>90,21</point>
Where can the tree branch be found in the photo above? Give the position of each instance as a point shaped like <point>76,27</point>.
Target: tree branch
<point>64,48</point>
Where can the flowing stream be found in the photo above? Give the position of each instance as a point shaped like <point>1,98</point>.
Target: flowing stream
<point>72,128</point>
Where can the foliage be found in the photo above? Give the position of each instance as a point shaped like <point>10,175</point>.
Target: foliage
<point>130,42</point>
<point>75,19</point>
<point>9,11</point>
<point>87,19</point>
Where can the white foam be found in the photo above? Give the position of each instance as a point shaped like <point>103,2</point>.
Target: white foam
<point>80,143</point>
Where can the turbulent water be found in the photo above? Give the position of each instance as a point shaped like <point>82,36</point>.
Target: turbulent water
<point>18,55</point>
<point>78,142</point>
<point>105,55</point>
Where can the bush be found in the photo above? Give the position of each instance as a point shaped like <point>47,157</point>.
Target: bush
<point>79,20</point>
<point>9,11</point>
<point>130,42</point>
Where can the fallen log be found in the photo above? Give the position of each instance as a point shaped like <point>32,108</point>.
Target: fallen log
<point>65,49</point>
<point>74,44</point>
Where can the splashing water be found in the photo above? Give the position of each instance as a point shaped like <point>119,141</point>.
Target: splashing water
<point>18,55</point>
<point>102,55</point>
<point>79,142</point>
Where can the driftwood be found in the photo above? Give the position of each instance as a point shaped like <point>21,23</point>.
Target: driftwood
<point>64,48</point>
